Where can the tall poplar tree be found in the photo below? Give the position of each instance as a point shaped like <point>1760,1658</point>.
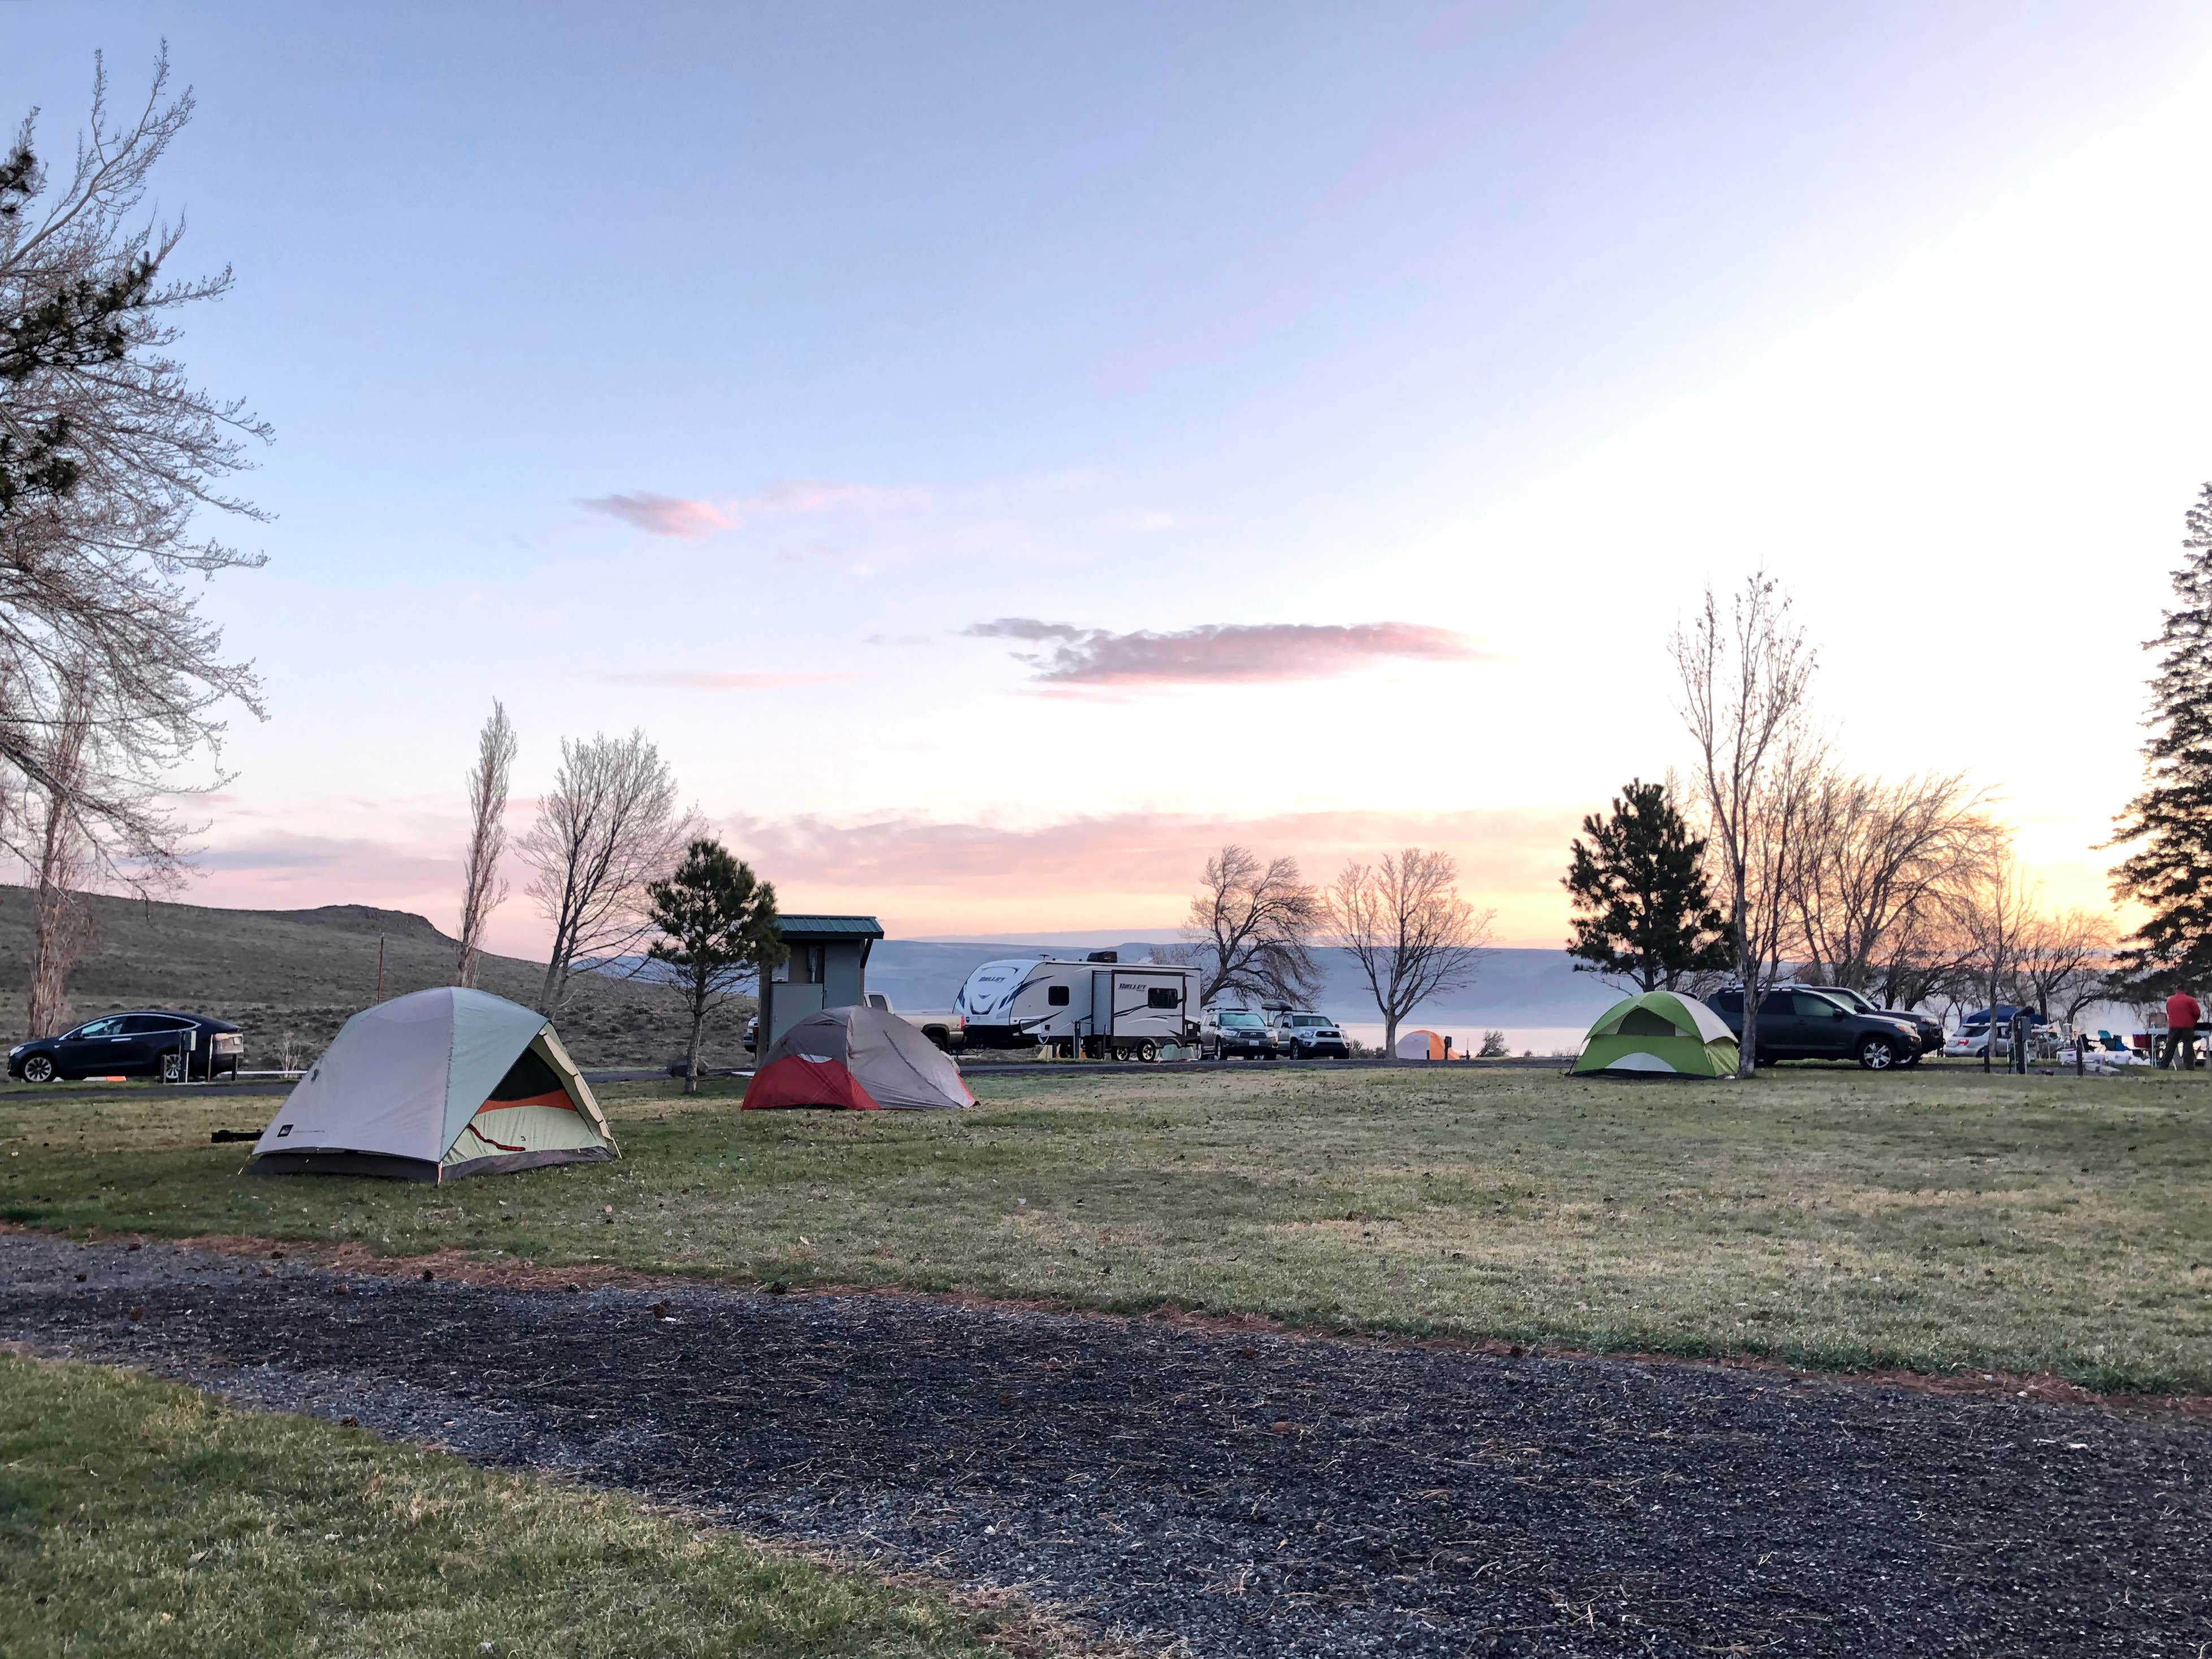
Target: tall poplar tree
<point>2170,822</point>
<point>1642,910</point>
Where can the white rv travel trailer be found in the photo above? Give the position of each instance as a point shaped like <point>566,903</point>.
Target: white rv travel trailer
<point>1100,1005</point>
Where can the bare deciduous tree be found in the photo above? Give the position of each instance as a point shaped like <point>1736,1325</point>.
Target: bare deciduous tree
<point>107,454</point>
<point>607,829</point>
<point>1407,927</point>
<point>1744,676</point>
<point>482,891</point>
<point>58,859</point>
<point>1251,928</point>
<point>1996,909</point>
<point>1926,957</point>
<point>2064,960</point>
<point>1876,859</point>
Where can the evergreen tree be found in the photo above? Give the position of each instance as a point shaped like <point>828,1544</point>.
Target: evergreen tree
<point>2170,823</point>
<point>1642,910</point>
<point>719,925</point>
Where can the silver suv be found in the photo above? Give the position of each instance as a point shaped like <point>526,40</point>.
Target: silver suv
<point>1314,1037</point>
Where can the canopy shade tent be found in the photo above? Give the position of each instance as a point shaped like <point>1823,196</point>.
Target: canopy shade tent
<point>1659,1033</point>
<point>434,1086</point>
<point>860,1059</point>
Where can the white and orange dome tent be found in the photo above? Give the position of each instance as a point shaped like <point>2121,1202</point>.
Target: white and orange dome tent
<point>436,1085</point>
<point>1422,1045</point>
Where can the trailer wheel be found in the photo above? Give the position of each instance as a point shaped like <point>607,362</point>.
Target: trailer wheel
<point>1148,1051</point>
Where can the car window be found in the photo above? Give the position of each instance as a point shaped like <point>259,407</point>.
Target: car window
<point>1308,1019</point>
<point>143,1024</point>
<point>1241,1021</point>
<point>112,1026</point>
<point>1810,1007</point>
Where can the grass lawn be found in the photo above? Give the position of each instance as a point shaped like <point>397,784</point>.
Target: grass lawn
<point>141,1517</point>
<point>1932,1219</point>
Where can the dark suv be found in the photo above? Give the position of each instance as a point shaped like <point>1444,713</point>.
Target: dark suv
<point>152,1043</point>
<point>1930,1029</point>
<point>1799,1024</point>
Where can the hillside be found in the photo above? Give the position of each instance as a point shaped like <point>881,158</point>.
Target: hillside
<point>292,977</point>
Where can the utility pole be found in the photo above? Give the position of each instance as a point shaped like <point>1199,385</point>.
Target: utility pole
<point>379,968</point>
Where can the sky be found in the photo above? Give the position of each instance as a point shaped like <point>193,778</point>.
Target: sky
<point>1001,453</point>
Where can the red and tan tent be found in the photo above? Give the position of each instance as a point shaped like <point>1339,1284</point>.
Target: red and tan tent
<point>860,1060</point>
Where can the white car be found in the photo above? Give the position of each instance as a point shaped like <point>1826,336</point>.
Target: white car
<point>1968,1044</point>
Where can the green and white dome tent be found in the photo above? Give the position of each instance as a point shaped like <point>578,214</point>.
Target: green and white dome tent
<point>1658,1034</point>
<point>433,1087</point>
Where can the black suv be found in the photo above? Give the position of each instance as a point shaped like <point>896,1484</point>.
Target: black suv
<point>152,1043</point>
<point>1796,1025</point>
<point>1930,1027</point>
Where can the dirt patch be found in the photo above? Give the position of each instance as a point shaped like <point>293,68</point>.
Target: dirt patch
<point>1248,1494</point>
<point>464,1266</point>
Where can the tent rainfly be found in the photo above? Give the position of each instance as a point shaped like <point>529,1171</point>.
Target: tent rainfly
<point>1659,1033</point>
<point>1422,1045</point>
<point>861,1059</point>
<point>433,1087</point>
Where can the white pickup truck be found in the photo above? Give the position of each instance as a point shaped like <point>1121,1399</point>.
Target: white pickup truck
<point>947,1031</point>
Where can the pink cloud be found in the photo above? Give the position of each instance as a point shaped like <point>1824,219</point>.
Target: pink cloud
<point>663,515</point>
<point>695,680</point>
<point>692,518</point>
<point>1224,653</point>
<point>940,878</point>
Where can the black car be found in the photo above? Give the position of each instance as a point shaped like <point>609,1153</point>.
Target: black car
<point>1799,1024</point>
<point>1930,1027</point>
<point>151,1042</point>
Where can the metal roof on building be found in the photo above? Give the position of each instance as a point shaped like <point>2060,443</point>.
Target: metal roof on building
<point>820,927</point>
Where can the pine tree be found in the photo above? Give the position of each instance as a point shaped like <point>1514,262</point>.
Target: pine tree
<point>1642,910</point>
<point>718,927</point>
<point>2170,872</point>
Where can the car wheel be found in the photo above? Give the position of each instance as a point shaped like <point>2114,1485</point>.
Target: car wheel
<point>1876,1055</point>
<point>38,1069</point>
<point>173,1066</point>
<point>1917,1058</point>
<point>1148,1051</point>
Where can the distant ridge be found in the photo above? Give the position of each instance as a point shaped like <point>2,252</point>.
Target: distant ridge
<point>360,919</point>
<point>292,977</point>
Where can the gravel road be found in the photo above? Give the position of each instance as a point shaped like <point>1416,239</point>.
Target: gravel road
<point>1230,1494</point>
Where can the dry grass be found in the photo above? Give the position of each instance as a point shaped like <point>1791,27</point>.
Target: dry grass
<point>1935,1220</point>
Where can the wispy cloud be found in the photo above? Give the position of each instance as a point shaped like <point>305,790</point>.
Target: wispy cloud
<point>1222,652</point>
<point>663,515</point>
<point>702,680</point>
<point>693,517</point>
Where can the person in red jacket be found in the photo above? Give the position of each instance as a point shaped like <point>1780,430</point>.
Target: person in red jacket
<point>2182,1016</point>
